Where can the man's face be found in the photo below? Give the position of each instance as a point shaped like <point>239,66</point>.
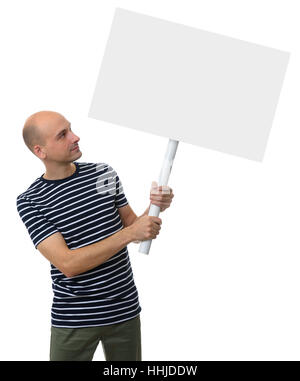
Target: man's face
<point>61,142</point>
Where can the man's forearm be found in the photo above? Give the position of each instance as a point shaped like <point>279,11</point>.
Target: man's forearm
<point>88,257</point>
<point>135,217</point>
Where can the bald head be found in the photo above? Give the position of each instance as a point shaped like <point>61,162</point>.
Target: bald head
<point>36,127</point>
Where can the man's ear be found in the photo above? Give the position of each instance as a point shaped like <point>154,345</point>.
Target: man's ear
<point>39,152</point>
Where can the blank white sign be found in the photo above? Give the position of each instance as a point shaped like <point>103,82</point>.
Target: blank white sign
<point>188,84</point>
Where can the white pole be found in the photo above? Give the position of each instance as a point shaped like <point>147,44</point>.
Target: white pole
<point>163,180</point>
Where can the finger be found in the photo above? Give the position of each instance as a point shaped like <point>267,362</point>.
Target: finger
<point>161,196</point>
<point>157,200</point>
<point>158,204</point>
<point>166,198</point>
<point>155,196</point>
<point>166,189</point>
<point>162,189</point>
<point>157,220</point>
<point>161,204</point>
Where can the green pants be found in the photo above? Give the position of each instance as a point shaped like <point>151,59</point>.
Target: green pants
<point>120,342</point>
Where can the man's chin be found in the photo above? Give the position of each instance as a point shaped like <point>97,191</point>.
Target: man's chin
<point>77,155</point>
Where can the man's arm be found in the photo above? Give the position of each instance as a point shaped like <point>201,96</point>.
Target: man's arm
<point>74,262</point>
<point>77,261</point>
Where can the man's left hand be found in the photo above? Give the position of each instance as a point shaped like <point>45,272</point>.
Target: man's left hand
<point>161,195</point>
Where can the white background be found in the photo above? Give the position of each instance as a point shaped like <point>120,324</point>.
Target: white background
<point>221,281</point>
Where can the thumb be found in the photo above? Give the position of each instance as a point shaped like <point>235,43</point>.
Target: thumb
<point>154,185</point>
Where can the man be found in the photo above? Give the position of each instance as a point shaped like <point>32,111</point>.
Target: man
<point>78,217</point>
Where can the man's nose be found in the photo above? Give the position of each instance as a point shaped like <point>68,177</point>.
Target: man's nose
<point>76,138</point>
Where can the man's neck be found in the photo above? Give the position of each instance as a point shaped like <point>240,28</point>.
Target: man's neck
<point>60,173</point>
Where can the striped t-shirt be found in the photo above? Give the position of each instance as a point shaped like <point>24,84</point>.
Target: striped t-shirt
<point>84,209</point>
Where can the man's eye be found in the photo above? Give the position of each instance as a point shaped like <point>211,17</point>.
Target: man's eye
<point>64,133</point>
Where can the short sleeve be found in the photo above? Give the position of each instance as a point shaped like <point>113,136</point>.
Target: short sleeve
<point>36,223</point>
<point>120,198</point>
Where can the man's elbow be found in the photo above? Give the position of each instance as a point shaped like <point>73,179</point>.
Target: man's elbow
<point>68,274</point>
<point>71,269</point>
<point>67,268</point>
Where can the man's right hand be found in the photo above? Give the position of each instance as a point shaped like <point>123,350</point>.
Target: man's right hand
<point>145,228</point>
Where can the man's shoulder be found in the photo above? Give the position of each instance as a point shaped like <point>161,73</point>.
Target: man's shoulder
<point>32,189</point>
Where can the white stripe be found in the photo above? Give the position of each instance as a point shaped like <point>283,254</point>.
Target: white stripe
<point>32,211</point>
<point>90,215</point>
<point>94,301</point>
<point>97,233</point>
<point>94,313</point>
<point>96,289</point>
<point>87,287</point>
<point>36,184</point>
<point>55,231</point>
<point>90,325</point>
<point>35,237</point>
<point>78,214</point>
<point>97,239</point>
<point>123,204</point>
<point>99,294</point>
<point>117,217</point>
<point>111,317</point>
<point>62,292</point>
<point>74,203</point>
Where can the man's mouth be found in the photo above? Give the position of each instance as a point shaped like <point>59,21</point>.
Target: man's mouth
<point>76,147</point>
